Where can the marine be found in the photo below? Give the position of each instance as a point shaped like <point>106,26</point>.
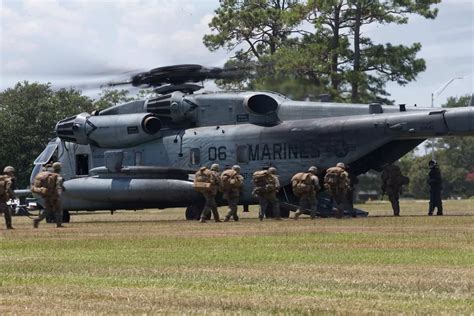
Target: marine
<point>306,186</point>
<point>7,193</point>
<point>232,185</point>
<point>435,182</point>
<point>392,182</point>
<point>50,186</point>
<point>208,183</point>
<point>266,186</point>
<point>337,183</point>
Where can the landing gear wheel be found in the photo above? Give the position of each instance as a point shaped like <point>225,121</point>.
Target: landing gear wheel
<point>193,212</point>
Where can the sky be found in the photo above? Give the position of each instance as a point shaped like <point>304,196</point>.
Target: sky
<point>79,41</point>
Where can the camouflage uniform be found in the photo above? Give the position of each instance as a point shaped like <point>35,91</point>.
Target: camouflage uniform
<point>338,192</point>
<point>210,197</point>
<point>435,182</point>
<point>391,186</point>
<point>52,203</point>
<point>269,198</point>
<point>9,194</point>
<point>308,200</point>
<point>232,196</point>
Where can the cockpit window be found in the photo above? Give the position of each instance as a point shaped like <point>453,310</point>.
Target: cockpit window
<point>48,152</point>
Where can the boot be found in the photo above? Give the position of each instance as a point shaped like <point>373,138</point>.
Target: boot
<point>9,223</point>
<point>35,223</point>
<point>297,214</point>
<point>226,219</point>
<point>202,220</point>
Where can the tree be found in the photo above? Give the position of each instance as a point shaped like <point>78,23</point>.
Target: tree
<point>111,97</point>
<point>275,33</point>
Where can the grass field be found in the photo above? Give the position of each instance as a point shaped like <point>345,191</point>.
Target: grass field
<point>156,262</point>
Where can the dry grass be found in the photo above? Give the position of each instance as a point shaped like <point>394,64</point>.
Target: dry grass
<point>155,262</point>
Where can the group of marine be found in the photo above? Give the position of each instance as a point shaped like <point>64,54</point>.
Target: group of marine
<point>305,185</point>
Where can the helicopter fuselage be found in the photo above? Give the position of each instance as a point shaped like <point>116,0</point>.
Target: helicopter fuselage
<point>113,161</point>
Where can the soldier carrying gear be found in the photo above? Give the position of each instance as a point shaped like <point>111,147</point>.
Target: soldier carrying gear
<point>337,183</point>
<point>266,186</point>
<point>57,167</point>
<point>6,193</point>
<point>49,185</point>
<point>232,184</point>
<point>9,170</point>
<point>392,182</point>
<point>306,186</point>
<point>435,182</point>
<point>207,182</point>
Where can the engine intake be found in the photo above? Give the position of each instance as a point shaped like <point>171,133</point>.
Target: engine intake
<point>109,131</point>
<point>261,104</point>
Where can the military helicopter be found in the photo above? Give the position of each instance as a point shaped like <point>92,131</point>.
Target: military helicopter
<point>142,154</point>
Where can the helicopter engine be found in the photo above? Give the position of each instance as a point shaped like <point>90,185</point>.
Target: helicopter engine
<point>173,107</point>
<point>109,131</point>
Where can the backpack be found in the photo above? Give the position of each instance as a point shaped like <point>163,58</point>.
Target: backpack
<point>204,181</point>
<point>336,178</point>
<point>395,178</point>
<point>231,180</point>
<point>45,184</point>
<point>302,183</point>
<point>263,181</point>
<point>5,185</point>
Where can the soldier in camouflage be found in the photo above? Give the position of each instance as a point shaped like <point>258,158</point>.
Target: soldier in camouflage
<point>7,193</point>
<point>337,183</point>
<point>392,186</point>
<point>269,197</point>
<point>308,199</point>
<point>232,194</point>
<point>53,204</point>
<point>210,197</point>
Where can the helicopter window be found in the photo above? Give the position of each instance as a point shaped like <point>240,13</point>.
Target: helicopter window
<point>82,164</point>
<point>242,154</point>
<point>47,153</point>
<point>195,156</point>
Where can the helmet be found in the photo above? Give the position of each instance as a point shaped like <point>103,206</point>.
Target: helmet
<point>313,169</point>
<point>272,170</point>
<point>8,169</point>
<point>57,166</point>
<point>236,168</point>
<point>341,165</point>
<point>215,167</point>
<point>432,163</point>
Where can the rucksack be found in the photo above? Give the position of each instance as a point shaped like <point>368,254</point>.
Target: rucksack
<point>263,181</point>
<point>395,177</point>
<point>45,184</point>
<point>302,183</point>
<point>204,181</point>
<point>231,180</point>
<point>5,185</point>
<point>336,178</point>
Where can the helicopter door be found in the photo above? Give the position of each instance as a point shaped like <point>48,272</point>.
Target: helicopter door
<point>82,164</point>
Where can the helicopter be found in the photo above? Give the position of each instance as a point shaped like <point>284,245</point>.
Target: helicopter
<point>143,154</point>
